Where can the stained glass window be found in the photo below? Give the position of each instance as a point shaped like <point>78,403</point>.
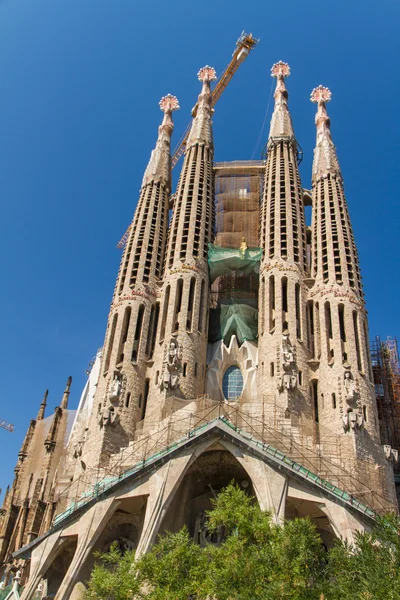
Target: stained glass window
<point>232,383</point>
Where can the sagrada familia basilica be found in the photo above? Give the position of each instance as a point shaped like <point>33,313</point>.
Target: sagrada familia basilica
<point>236,348</point>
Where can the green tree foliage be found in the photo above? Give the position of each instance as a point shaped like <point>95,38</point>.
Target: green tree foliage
<point>258,560</point>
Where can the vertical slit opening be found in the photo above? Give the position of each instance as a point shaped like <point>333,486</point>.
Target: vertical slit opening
<point>138,333</point>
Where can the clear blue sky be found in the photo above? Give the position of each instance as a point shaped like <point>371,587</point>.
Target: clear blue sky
<point>80,83</point>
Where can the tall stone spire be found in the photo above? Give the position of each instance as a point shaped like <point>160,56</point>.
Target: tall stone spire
<point>143,257</point>
<point>123,387</point>
<point>281,122</point>
<point>184,303</point>
<point>42,407</point>
<point>201,130</point>
<point>334,257</point>
<point>282,293</point>
<point>159,167</point>
<point>282,217</point>
<point>336,299</point>
<point>325,158</point>
<point>64,401</point>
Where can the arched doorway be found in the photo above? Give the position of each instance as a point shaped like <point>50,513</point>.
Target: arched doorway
<point>211,471</point>
<point>298,508</point>
<point>60,565</point>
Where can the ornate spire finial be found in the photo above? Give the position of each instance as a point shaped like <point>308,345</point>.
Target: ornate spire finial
<point>280,69</point>
<point>159,164</point>
<point>321,94</point>
<point>325,159</point>
<point>207,74</point>
<point>42,408</point>
<point>281,123</point>
<point>169,103</point>
<point>201,131</point>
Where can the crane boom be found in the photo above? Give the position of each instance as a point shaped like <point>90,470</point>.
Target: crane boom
<point>244,45</point>
<point>6,425</point>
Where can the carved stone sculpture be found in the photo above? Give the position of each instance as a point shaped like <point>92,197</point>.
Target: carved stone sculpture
<point>108,417</point>
<point>172,366</point>
<point>352,420</point>
<point>288,380</point>
<point>115,389</point>
<point>349,387</point>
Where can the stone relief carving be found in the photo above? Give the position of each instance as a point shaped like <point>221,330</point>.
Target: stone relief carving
<point>349,386</point>
<point>108,416</point>
<point>288,379</point>
<point>172,366</point>
<point>390,453</point>
<point>352,420</point>
<point>115,388</point>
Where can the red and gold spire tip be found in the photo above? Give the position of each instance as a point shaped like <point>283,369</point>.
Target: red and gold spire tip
<point>207,74</point>
<point>321,94</point>
<point>280,69</point>
<point>169,103</point>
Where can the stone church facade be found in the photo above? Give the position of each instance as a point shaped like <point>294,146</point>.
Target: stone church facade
<point>236,348</point>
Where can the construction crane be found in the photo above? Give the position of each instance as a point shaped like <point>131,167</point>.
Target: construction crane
<point>244,45</point>
<point>7,426</point>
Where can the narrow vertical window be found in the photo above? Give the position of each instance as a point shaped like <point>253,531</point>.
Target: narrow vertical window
<point>357,340</point>
<point>124,334</point>
<point>127,400</point>
<point>317,329</point>
<point>165,313</point>
<point>341,323</point>
<point>314,391</point>
<point>328,331</point>
<point>310,328</point>
<point>333,400</point>
<point>178,305</point>
<point>190,304</point>
<point>138,333</point>
<point>298,312</point>
<point>195,370</point>
<point>184,369</point>
<point>110,343</point>
<point>271,303</point>
<point>145,397</point>
<point>342,332</point>
<point>202,303</point>
<point>300,378</point>
<point>155,328</point>
<point>272,369</point>
<point>365,413</point>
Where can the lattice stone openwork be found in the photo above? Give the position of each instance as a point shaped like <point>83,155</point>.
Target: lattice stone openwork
<point>321,94</point>
<point>280,68</point>
<point>207,74</point>
<point>169,102</point>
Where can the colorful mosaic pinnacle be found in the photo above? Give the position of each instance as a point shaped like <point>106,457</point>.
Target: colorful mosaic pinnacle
<point>169,103</point>
<point>207,74</point>
<point>321,94</point>
<point>280,69</point>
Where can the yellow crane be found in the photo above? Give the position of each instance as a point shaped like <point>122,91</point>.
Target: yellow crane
<point>244,45</point>
<point>6,425</point>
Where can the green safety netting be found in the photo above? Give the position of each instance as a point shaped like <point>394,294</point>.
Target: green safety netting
<point>233,319</point>
<point>223,260</point>
<point>4,592</point>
